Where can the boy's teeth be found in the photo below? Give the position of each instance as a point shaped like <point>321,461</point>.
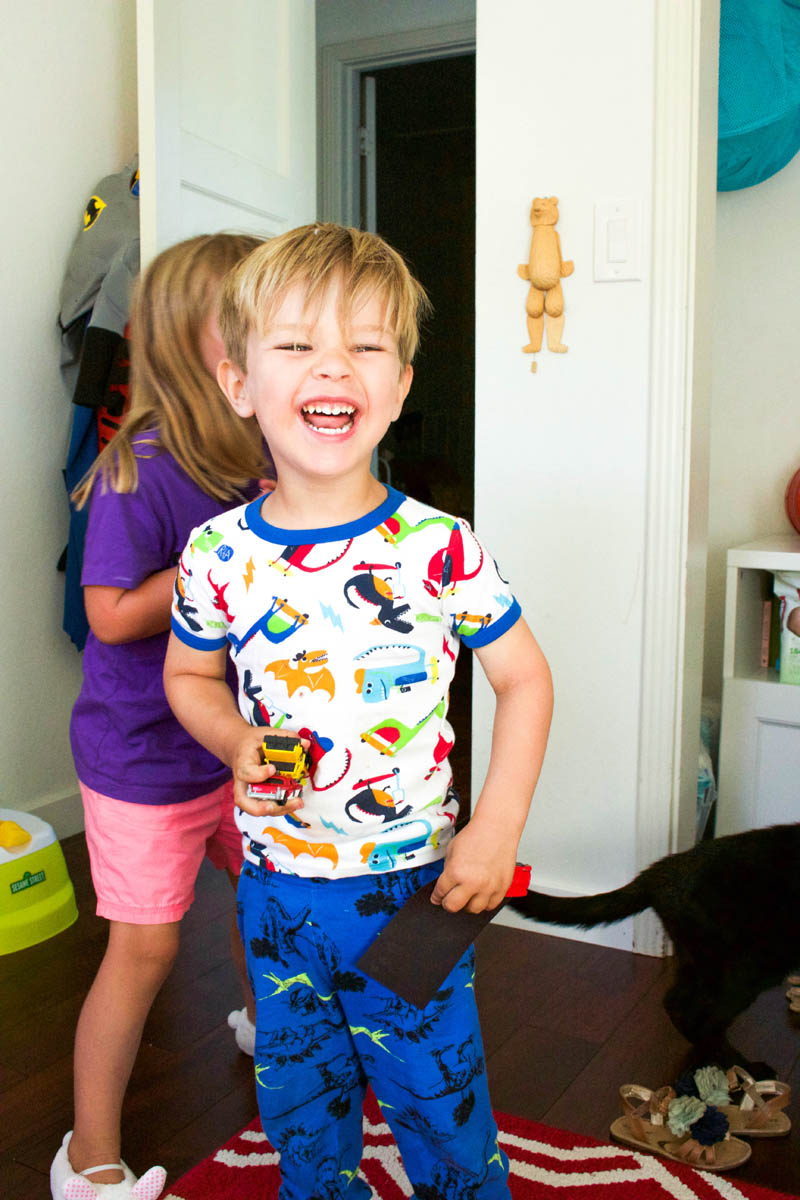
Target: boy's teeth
<point>329,410</point>
<point>332,417</point>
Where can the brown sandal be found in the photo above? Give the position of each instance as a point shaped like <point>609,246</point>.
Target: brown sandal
<point>755,1116</point>
<point>644,1125</point>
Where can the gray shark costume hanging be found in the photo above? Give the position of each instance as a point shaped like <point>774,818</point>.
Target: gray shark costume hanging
<point>93,313</point>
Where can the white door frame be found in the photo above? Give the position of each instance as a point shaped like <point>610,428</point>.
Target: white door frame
<point>686,54</point>
<point>684,58</point>
<point>340,66</point>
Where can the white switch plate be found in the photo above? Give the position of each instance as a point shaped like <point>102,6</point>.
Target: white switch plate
<point>617,240</point>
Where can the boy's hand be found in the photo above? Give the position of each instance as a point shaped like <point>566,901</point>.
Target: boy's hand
<point>478,869</point>
<point>249,767</point>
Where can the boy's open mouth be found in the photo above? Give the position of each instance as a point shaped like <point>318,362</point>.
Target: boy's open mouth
<point>329,417</point>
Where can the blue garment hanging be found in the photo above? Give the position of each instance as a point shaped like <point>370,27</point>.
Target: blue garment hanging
<point>80,456</point>
<point>759,90</point>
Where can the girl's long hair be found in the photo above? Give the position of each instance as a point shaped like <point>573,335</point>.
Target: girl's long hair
<point>173,397</point>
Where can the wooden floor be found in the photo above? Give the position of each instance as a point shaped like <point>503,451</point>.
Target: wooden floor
<point>564,1025</point>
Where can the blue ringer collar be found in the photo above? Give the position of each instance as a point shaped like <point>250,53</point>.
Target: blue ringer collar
<point>330,533</point>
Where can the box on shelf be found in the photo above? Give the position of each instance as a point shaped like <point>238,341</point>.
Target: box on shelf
<point>787,589</point>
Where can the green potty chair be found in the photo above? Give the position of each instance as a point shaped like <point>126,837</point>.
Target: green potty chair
<point>37,900</point>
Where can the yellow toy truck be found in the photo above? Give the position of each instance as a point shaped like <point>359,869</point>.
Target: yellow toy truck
<point>291,763</point>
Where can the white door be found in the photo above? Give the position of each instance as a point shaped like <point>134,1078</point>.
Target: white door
<point>227,122</point>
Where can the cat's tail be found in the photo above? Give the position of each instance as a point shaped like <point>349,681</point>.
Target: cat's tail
<point>603,909</point>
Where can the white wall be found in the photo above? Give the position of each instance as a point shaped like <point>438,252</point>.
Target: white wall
<point>68,104</point>
<point>576,428</point>
<point>561,454</point>
<point>346,20</point>
<point>755,428</point>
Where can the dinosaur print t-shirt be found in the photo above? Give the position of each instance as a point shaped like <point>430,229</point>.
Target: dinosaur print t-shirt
<point>348,635</point>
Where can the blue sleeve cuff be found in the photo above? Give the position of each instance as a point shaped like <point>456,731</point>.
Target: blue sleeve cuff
<point>197,643</point>
<point>491,633</point>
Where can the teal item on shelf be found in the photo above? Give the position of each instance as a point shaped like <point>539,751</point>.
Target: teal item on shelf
<point>759,90</point>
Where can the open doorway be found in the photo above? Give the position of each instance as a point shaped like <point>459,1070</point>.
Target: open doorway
<point>424,171</point>
<point>419,178</point>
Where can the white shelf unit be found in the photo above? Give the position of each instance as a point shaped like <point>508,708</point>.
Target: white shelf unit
<point>759,754</point>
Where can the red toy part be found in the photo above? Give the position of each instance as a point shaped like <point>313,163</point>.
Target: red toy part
<point>520,882</point>
<point>291,762</point>
<point>792,500</point>
<point>279,788</point>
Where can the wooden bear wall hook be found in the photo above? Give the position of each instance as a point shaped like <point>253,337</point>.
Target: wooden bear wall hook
<point>544,270</point>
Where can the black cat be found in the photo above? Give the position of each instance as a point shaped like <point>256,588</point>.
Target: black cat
<point>731,906</point>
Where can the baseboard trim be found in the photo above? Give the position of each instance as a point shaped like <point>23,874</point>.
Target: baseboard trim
<point>64,813</point>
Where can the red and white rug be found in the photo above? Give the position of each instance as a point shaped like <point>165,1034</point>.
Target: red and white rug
<point>546,1164</point>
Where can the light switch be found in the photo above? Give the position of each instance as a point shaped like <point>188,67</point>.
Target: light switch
<point>617,240</point>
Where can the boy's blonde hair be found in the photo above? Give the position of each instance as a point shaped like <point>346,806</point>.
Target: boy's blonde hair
<point>172,393</point>
<point>315,257</point>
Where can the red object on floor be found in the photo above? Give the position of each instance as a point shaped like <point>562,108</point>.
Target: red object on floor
<point>546,1164</point>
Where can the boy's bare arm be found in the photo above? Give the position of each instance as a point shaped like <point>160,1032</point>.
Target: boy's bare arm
<point>480,859</point>
<point>200,698</point>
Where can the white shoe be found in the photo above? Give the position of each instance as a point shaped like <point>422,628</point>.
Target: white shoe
<point>67,1184</point>
<point>245,1031</point>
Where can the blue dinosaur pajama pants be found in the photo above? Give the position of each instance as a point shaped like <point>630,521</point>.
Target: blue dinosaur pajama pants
<point>324,1031</point>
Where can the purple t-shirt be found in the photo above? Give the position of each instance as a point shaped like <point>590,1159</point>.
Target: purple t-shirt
<point>125,741</point>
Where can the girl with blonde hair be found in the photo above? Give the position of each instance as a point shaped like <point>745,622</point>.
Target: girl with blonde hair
<point>155,802</point>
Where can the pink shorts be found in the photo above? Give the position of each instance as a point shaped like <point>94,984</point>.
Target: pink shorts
<point>145,857</point>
